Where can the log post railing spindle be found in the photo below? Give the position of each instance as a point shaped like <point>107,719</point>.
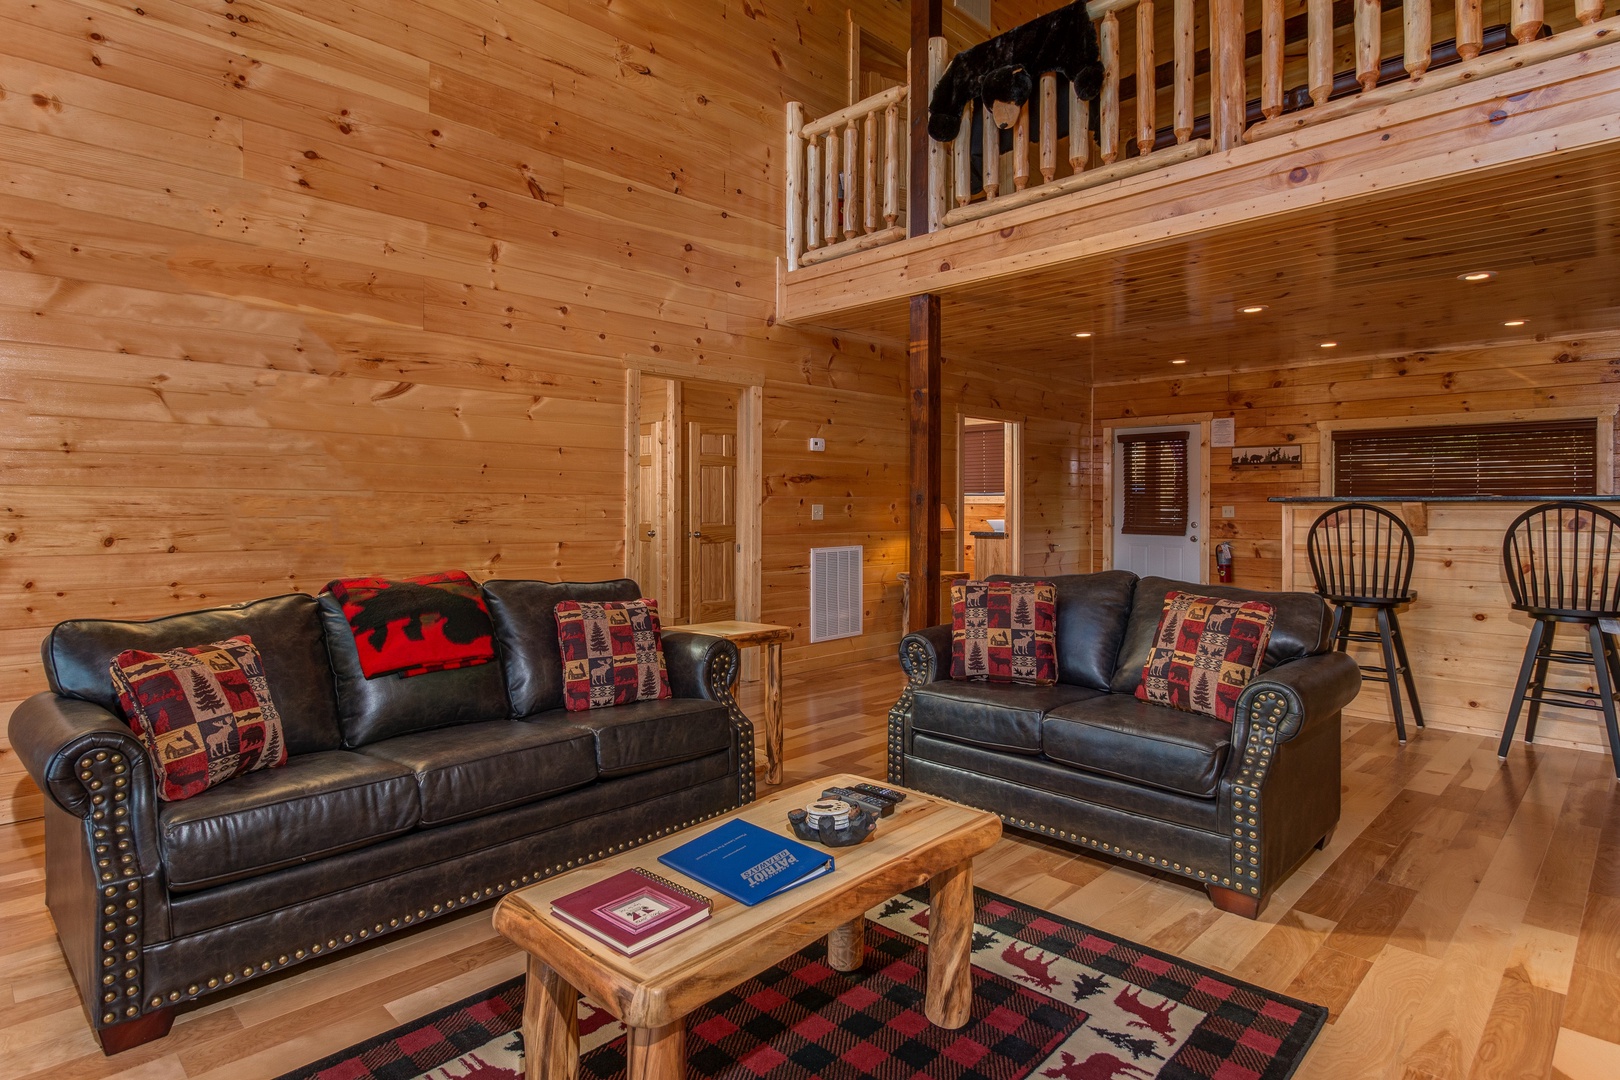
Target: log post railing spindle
<point>1079,132</point>
<point>795,185</point>
<point>1048,127</point>
<point>850,187</point>
<point>1021,149</point>
<point>1147,100</point>
<point>812,216</point>
<point>1470,28</point>
<point>891,165</point>
<point>829,193</point>
<point>1417,27</point>
<point>1369,28</point>
<point>1528,19</point>
<point>1271,57</point>
<point>869,194</point>
<point>960,157</point>
<point>1319,49</point>
<point>1228,92</point>
<point>935,194</point>
<point>992,155</point>
<point>1588,11</point>
<point>1108,102</point>
<point>1183,69</point>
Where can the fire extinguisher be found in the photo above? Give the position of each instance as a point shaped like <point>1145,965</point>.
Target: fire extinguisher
<point>1223,561</point>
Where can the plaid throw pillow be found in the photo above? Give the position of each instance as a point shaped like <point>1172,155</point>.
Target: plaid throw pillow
<point>1204,653</point>
<point>612,653</point>
<point>204,714</point>
<point>1004,631</point>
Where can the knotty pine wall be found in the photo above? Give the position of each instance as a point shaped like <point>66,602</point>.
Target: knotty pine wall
<point>1464,640</point>
<point>293,289</point>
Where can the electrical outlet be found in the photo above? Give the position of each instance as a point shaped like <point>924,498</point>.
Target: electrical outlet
<point>815,511</point>
<point>818,445</point>
<point>1228,511</point>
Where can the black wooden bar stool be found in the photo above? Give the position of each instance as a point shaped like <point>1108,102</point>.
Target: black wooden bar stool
<point>1361,557</point>
<point>1563,565</point>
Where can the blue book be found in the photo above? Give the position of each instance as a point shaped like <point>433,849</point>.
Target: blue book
<point>746,862</point>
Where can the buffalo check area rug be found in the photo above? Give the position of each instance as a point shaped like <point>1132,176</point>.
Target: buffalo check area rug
<point>1051,998</point>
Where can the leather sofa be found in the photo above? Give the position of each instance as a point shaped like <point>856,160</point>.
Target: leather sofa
<point>402,799</point>
<point>1234,807</point>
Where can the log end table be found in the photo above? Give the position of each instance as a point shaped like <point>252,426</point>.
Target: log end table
<point>770,637</point>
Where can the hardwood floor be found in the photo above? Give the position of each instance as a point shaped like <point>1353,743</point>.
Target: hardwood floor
<point>1465,921</point>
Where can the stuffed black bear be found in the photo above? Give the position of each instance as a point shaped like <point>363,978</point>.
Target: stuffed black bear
<point>1005,68</point>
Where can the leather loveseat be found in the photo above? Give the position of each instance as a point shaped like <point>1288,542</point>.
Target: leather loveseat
<point>402,799</point>
<point>1234,807</point>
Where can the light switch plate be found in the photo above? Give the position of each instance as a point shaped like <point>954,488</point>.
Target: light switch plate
<point>1228,511</point>
<point>815,511</point>
<point>818,445</point>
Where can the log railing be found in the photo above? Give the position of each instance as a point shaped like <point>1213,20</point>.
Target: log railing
<point>1537,30</point>
<point>843,178</point>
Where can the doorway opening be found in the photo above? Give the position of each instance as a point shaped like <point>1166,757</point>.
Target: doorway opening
<point>989,483</point>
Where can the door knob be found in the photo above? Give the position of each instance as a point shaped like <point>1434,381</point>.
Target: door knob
<point>651,533</point>
<point>696,534</point>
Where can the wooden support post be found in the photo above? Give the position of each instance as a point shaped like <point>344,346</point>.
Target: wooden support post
<point>1271,57</point>
<point>891,165</point>
<point>1048,127</point>
<point>1147,98</point>
<point>795,185</point>
<point>869,192</point>
<point>1470,28</point>
<point>1417,26</point>
<point>1226,36</point>
<point>926,22</point>
<point>1369,31</point>
<point>922,365</point>
<point>1184,69</point>
<point>1319,48</point>
<point>936,150</point>
<point>961,162</point>
<point>1528,19</point>
<point>1079,132</point>
<point>991,152</point>
<point>1108,101</point>
<point>1021,149</point>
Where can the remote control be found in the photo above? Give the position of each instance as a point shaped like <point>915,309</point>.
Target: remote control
<point>871,802</point>
<point>886,794</point>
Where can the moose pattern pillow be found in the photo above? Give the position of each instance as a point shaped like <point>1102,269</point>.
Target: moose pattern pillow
<point>1204,653</point>
<point>203,714</point>
<point>1004,631</point>
<point>612,653</point>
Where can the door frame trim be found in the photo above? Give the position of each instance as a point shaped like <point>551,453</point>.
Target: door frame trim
<point>750,477</point>
<point>1125,423</point>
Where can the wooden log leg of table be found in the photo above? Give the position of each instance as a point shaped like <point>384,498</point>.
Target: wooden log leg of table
<point>550,1025</point>
<point>950,937</point>
<point>846,945</point>
<point>656,1053</point>
<point>773,713</point>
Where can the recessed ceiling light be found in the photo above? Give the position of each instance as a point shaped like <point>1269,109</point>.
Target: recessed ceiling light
<point>1253,309</point>
<point>1083,333</point>
<point>1178,361</point>
<point>1515,322</point>
<point>1330,344</point>
<point>1477,275</point>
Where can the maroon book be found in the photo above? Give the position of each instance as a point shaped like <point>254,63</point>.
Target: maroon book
<point>632,910</point>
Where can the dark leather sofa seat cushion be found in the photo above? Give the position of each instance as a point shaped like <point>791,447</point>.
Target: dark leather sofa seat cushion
<point>643,735</point>
<point>525,618</point>
<point>1133,740</point>
<point>285,629</point>
<point>475,769</point>
<point>997,716</point>
<point>1302,626</point>
<point>1091,614</point>
<point>314,806</point>
<point>370,710</point>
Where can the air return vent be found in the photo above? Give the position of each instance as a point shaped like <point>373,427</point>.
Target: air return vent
<point>977,10</point>
<point>835,592</point>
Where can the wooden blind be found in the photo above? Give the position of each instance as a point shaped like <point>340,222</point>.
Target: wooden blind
<point>984,461</point>
<point>1154,483</point>
<point>1544,458</point>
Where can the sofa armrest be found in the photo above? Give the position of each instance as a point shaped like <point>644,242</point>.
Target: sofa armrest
<point>701,666</point>
<point>78,752</point>
<point>925,654</point>
<point>1291,693</point>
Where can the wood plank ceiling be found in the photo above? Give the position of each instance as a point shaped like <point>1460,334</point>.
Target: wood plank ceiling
<point>1377,276</point>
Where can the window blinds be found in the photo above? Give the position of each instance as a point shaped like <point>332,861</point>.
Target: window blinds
<point>984,464</point>
<point>1154,483</point>
<point>1543,458</point>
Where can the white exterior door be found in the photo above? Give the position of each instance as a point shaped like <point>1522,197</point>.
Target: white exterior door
<point>1158,481</point>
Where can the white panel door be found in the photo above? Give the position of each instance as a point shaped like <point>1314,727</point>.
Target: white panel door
<point>1173,556</point>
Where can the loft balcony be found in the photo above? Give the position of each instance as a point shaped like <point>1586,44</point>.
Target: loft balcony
<point>1290,133</point>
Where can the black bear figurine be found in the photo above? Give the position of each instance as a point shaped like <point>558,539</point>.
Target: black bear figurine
<point>1005,68</point>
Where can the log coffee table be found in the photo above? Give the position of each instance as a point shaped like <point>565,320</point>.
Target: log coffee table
<point>925,839</point>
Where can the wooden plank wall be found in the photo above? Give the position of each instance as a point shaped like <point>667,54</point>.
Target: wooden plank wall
<point>1466,644</point>
<point>292,289</point>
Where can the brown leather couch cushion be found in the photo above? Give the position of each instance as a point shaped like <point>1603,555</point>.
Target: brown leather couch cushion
<point>474,769</point>
<point>1302,627</point>
<point>314,806</point>
<point>370,710</point>
<point>285,629</point>
<point>1091,614</point>
<point>644,735</point>
<point>997,716</point>
<point>1133,740</point>
<point>525,618</point>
